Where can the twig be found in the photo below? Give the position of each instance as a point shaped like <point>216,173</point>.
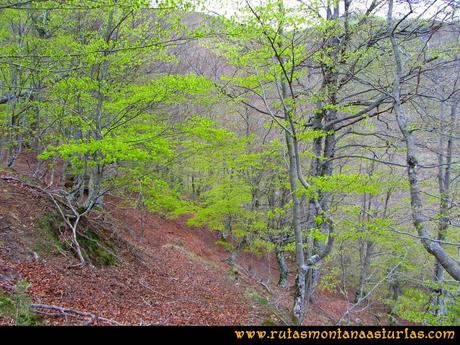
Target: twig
<point>349,310</point>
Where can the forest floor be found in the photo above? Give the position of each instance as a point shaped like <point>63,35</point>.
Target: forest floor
<point>165,272</point>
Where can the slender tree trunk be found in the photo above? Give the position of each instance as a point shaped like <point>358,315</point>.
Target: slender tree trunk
<point>438,294</point>
<point>75,243</point>
<point>395,289</point>
<point>298,309</point>
<point>37,83</point>
<point>299,298</point>
<point>236,251</point>
<point>323,147</point>
<point>438,297</point>
<point>283,267</point>
<point>15,142</point>
<point>94,197</point>
<point>366,246</point>
<point>365,258</point>
<point>312,244</point>
<point>96,174</point>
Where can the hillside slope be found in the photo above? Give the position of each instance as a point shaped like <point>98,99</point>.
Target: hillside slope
<point>172,275</point>
<point>165,273</point>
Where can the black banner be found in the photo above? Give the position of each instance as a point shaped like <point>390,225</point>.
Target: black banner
<point>236,335</point>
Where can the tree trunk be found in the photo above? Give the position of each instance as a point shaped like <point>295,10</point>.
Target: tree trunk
<point>299,298</point>
<point>365,258</point>
<point>298,309</point>
<point>366,246</point>
<point>94,198</point>
<point>282,265</point>
<point>311,282</point>
<point>438,294</point>
<point>419,219</point>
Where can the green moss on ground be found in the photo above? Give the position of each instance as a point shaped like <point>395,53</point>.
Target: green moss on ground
<point>100,251</point>
<point>95,249</point>
<point>50,225</point>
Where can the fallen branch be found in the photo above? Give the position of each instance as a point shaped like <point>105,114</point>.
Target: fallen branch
<point>243,271</point>
<point>265,286</point>
<point>44,309</point>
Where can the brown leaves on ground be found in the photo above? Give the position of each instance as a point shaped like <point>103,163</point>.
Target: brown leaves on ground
<point>173,275</point>
<point>167,273</point>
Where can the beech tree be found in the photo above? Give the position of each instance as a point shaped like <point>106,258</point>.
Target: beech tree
<point>285,128</point>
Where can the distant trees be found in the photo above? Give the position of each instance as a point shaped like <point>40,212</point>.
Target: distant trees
<point>293,65</point>
<point>318,71</point>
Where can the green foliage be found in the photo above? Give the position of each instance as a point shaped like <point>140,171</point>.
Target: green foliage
<point>329,281</point>
<point>17,306</point>
<point>7,308</point>
<point>162,198</point>
<point>233,274</point>
<point>414,305</point>
<point>343,183</point>
<point>223,202</point>
<point>257,297</point>
<point>268,322</point>
<point>99,86</point>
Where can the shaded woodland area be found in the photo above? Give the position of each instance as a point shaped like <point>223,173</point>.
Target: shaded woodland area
<point>287,162</point>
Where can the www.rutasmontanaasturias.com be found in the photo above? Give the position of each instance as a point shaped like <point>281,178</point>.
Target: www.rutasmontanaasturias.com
<point>339,334</point>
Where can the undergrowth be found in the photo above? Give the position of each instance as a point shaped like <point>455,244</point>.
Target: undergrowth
<point>17,306</point>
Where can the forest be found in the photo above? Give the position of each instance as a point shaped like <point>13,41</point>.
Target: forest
<point>254,162</point>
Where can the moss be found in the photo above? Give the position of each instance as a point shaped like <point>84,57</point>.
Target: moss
<point>49,227</point>
<point>233,274</point>
<point>275,315</point>
<point>256,297</point>
<point>225,244</point>
<point>7,308</point>
<point>96,249</point>
<point>268,322</point>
